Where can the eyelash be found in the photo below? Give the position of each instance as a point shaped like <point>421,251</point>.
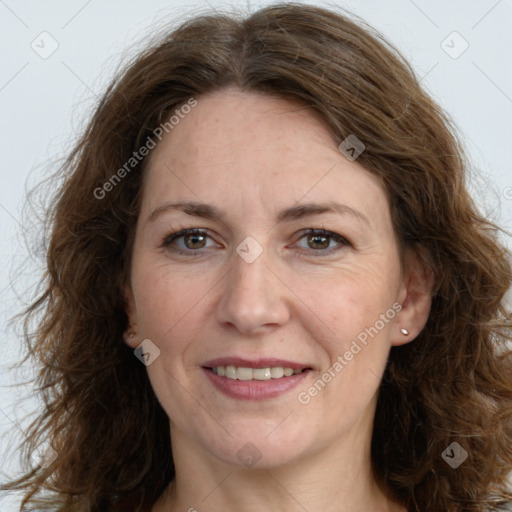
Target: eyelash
<point>169,239</point>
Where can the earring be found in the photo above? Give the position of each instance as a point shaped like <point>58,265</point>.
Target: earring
<point>405,332</point>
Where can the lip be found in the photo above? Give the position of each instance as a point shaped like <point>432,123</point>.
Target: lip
<point>256,363</point>
<point>254,389</point>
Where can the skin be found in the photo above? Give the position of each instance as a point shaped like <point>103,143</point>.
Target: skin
<point>252,156</point>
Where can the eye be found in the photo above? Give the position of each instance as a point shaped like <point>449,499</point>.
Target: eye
<point>319,240</point>
<point>193,239</point>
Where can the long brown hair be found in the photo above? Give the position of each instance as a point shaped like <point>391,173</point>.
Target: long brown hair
<point>451,384</point>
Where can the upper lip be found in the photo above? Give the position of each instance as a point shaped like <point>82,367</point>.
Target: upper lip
<point>255,363</point>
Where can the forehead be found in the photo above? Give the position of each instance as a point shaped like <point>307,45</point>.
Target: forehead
<point>232,124</point>
<point>258,150</point>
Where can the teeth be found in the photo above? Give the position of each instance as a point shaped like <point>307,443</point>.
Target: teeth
<point>241,373</point>
<point>261,373</point>
<point>244,373</point>
<point>277,373</point>
<point>231,372</point>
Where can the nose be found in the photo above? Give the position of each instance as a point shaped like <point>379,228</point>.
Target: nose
<point>254,297</point>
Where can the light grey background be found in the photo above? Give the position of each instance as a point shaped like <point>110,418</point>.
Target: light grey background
<point>45,101</point>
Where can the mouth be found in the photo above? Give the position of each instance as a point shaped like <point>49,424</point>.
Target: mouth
<point>246,373</point>
<point>257,379</point>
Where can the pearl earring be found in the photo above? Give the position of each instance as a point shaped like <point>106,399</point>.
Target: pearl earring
<point>405,332</point>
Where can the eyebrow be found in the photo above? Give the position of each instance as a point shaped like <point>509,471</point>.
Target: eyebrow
<point>207,211</point>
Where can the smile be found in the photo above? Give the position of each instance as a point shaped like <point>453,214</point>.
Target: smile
<point>242,373</point>
<point>245,383</point>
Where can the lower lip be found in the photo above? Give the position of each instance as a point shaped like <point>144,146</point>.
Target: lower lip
<point>255,389</point>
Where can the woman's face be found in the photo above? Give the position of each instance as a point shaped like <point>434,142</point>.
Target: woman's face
<point>257,289</point>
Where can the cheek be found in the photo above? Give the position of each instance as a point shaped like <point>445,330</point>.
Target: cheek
<point>356,343</point>
<point>167,302</point>
<point>348,300</point>
<point>356,314</point>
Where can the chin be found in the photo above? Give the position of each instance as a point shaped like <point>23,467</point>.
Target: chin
<point>260,448</point>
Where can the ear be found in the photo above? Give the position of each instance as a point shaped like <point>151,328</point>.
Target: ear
<point>415,296</point>
<point>130,334</point>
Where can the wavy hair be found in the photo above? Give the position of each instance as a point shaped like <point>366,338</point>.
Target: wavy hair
<point>453,383</point>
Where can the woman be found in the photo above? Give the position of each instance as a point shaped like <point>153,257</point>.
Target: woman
<point>268,288</point>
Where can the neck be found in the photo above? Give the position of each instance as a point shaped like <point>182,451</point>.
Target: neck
<point>326,481</point>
